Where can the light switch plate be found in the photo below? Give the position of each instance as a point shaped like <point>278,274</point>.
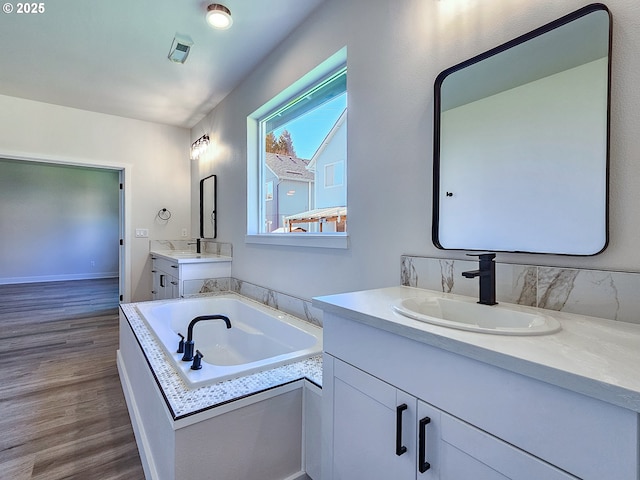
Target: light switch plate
<point>142,232</point>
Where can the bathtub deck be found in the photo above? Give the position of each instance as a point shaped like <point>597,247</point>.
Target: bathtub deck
<point>183,402</point>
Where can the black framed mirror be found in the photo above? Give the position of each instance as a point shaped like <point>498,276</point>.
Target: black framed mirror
<point>208,202</point>
<point>521,142</point>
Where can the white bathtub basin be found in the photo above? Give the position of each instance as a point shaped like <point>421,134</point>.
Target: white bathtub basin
<point>466,314</point>
<point>260,338</point>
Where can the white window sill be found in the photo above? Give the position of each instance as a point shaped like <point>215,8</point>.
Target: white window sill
<point>324,240</point>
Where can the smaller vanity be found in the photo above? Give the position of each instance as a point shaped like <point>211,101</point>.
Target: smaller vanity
<point>407,399</point>
<point>181,271</point>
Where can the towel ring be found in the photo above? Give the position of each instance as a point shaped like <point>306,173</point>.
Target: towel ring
<point>164,214</point>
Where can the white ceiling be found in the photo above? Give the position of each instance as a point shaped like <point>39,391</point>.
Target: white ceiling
<point>111,56</point>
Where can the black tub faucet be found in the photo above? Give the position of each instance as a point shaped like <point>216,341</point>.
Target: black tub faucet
<point>189,343</point>
<point>197,361</point>
<point>487,276</point>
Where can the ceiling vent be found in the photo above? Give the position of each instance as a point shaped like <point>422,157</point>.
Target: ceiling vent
<point>180,48</point>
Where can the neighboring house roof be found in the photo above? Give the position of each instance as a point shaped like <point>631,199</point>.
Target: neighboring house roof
<point>318,214</point>
<point>286,167</point>
<point>327,140</point>
<point>330,214</point>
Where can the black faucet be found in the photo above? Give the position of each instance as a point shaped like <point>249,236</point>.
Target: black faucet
<point>198,245</point>
<point>189,343</point>
<point>487,276</point>
<point>197,361</point>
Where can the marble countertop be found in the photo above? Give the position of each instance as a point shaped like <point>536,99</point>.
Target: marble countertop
<point>592,356</point>
<point>188,256</point>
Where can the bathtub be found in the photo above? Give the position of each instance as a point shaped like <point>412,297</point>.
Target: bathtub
<point>260,338</point>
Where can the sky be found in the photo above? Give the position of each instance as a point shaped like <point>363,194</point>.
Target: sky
<point>309,130</point>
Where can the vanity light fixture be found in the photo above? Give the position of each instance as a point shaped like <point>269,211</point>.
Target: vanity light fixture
<point>199,146</point>
<point>219,16</point>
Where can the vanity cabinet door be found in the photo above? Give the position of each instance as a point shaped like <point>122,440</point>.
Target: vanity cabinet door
<point>381,432</point>
<point>173,287</point>
<point>464,451</point>
<point>373,428</point>
<point>165,278</point>
<point>155,284</point>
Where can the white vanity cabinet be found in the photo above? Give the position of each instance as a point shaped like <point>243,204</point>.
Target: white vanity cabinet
<point>177,275</point>
<point>382,432</point>
<point>486,421</point>
<point>166,276</point>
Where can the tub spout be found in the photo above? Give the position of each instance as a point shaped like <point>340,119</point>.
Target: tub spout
<point>224,318</point>
<point>189,343</point>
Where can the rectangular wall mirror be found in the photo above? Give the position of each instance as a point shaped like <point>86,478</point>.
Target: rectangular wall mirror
<point>208,187</point>
<point>521,142</point>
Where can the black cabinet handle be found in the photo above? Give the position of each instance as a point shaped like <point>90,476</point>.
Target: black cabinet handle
<point>423,465</point>
<point>400,449</point>
<point>162,281</point>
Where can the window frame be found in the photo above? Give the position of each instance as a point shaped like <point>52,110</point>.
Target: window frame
<point>256,164</point>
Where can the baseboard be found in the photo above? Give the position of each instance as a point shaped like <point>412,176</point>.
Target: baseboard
<point>57,278</point>
<point>150,471</point>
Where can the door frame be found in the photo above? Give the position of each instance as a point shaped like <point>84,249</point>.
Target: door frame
<point>124,215</point>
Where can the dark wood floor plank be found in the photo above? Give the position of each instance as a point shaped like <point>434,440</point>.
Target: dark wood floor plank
<point>20,469</point>
<point>63,413</point>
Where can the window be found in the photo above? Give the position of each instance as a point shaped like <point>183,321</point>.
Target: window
<point>301,151</point>
<point>334,175</point>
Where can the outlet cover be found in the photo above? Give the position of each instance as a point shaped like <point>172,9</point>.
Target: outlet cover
<point>184,232</point>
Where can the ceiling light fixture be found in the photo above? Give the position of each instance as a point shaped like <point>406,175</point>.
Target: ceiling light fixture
<point>219,16</point>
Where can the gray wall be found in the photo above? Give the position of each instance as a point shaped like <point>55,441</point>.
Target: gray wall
<point>395,50</point>
<point>57,222</point>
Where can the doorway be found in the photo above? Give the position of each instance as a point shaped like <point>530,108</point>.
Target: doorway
<point>61,221</point>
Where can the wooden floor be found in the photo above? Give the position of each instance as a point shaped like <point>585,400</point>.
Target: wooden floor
<point>62,411</point>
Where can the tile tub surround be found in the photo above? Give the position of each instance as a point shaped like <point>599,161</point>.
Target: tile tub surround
<point>292,305</point>
<point>280,301</point>
<point>597,293</point>
<point>183,402</point>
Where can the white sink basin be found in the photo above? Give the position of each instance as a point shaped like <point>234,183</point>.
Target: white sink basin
<point>471,316</point>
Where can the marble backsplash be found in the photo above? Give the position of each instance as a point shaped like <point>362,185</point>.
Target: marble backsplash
<point>207,246</point>
<point>295,306</point>
<point>598,293</point>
